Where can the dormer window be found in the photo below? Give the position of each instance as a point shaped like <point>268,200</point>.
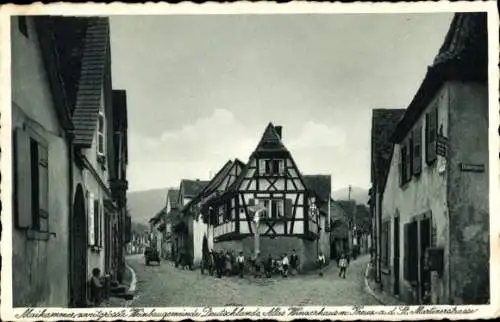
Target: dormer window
<point>272,167</point>
<point>101,148</point>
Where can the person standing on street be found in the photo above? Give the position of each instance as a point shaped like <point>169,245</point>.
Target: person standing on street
<point>321,262</point>
<point>294,262</point>
<point>241,263</point>
<point>285,265</point>
<point>257,265</point>
<point>343,263</point>
<point>268,266</point>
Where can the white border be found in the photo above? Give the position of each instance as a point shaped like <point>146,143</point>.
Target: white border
<point>484,311</point>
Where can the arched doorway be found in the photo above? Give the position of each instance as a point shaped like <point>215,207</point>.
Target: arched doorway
<point>79,251</point>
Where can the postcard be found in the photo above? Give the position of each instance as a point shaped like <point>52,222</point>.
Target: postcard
<point>250,161</point>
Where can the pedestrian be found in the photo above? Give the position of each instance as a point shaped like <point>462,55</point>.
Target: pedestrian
<point>268,266</point>
<point>294,262</point>
<point>96,287</point>
<point>321,263</point>
<point>228,267</point>
<point>285,263</point>
<point>241,264</point>
<point>343,263</point>
<point>257,265</point>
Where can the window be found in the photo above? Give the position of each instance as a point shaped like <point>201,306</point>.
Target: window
<point>23,25</point>
<point>405,161</point>
<point>274,208</point>
<point>385,236</point>
<point>417,150</point>
<point>431,119</point>
<point>101,134</point>
<point>97,223</point>
<point>31,191</point>
<point>272,167</point>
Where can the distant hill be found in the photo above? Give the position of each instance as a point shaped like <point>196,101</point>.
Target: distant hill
<point>145,204</point>
<point>360,195</point>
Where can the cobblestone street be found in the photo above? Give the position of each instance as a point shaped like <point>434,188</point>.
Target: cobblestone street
<point>165,285</point>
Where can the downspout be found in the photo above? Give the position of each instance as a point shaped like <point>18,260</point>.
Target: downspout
<point>70,219</point>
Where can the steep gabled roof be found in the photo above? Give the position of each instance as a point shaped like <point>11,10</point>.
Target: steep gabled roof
<point>270,141</point>
<point>321,185</point>
<point>191,188</point>
<point>384,121</point>
<point>172,196</point>
<point>463,56</point>
<point>88,97</point>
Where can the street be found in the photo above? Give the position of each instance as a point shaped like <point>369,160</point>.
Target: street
<point>165,285</point>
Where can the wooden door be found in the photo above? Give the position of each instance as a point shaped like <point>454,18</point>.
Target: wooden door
<point>424,273</point>
<point>79,251</point>
<point>396,256</point>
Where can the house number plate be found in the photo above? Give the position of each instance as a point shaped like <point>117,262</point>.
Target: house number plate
<point>467,167</point>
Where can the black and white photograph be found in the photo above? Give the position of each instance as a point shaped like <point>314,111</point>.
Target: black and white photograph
<point>249,159</point>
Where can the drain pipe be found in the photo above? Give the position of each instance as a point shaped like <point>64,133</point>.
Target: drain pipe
<point>70,219</point>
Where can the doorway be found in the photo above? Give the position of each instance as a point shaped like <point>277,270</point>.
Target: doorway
<point>424,272</point>
<point>396,255</point>
<point>79,251</point>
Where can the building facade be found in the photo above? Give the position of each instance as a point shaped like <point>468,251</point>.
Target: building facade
<point>66,219</point>
<point>434,230</point>
<point>294,210</point>
<point>171,212</point>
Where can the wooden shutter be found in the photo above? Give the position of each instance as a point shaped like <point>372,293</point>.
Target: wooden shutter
<point>431,135</point>
<point>400,165</point>
<point>417,150</point>
<point>288,208</point>
<point>22,173</point>
<point>406,253</point>
<point>262,166</point>
<point>267,167</point>
<point>43,187</point>
<point>281,165</point>
<point>91,219</point>
<point>97,223</point>
<point>274,208</point>
<point>408,165</point>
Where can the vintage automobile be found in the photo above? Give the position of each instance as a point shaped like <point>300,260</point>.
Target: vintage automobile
<point>151,255</point>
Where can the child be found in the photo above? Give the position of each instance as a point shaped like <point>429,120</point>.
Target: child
<point>268,266</point>
<point>321,262</point>
<point>241,263</point>
<point>343,265</point>
<point>285,265</point>
<point>96,287</point>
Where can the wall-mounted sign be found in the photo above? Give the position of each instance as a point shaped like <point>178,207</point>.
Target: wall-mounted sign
<point>470,167</point>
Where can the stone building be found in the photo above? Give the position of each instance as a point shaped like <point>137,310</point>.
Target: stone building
<point>434,212</point>
<point>67,220</point>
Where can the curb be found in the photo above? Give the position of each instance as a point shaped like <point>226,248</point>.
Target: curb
<point>369,289</point>
<point>133,283</point>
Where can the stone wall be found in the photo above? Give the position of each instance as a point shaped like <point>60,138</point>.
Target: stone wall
<point>468,199</point>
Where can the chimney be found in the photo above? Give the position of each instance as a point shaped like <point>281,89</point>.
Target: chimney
<point>279,130</point>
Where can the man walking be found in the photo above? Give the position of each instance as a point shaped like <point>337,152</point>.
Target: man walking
<point>294,262</point>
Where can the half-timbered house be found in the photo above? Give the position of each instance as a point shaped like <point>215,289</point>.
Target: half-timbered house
<point>290,215</point>
<point>202,234</point>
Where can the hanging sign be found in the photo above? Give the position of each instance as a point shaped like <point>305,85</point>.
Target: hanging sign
<point>442,145</point>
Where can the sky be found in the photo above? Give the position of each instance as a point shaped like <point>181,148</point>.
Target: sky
<point>201,89</point>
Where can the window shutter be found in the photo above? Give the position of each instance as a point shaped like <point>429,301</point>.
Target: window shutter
<point>262,166</point>
<point>274,208</point>
<point>417,150</point>
<point>400,165</point>
<point>268,166</point>
<point>22,173</point>
<point>408,165</point>
<point>431,137</point>
<point>288,208</point>
<point>91,219</point>
<point>43,189</point>
<point>406,269</point>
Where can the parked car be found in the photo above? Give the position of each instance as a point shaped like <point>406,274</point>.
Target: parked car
<point>151,254</point>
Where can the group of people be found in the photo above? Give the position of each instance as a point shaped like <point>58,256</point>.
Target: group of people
<point>221,263</point>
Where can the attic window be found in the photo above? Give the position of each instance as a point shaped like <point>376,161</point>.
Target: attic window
<point>100,134</point>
